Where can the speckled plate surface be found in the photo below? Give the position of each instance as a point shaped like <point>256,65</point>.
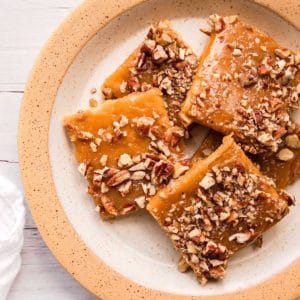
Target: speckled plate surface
<point>131,258</point>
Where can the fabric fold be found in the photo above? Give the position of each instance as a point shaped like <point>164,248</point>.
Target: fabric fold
<point>12,219</point>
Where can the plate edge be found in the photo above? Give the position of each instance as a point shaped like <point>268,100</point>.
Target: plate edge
<point>34,125</point>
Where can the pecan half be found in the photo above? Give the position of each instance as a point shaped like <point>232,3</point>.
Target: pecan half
<point>118,178</point>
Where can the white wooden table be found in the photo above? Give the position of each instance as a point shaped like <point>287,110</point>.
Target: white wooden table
<point>25,25</point>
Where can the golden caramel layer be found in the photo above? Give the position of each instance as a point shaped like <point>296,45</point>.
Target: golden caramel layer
<point>222,204</point>
<point>127,149</point>
<point>163,60</point>
<point>283,173</point>
<point>246,84</point>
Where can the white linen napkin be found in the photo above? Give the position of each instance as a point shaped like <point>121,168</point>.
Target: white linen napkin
<point>12,219</point>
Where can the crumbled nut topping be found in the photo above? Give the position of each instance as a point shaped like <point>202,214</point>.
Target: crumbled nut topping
<point>124,188</point>
<point>285,154</point>
<point>183,266</point>
<point>207,181</point>
<point>125,160</point>
<point>85,135</point>
<point>138,175</point>
<point>216,22</point>
<point>82,168</point>
<point>179,169</point>
<point>144,172</point>
<point>143,124</point>
<point>293,141</point>
<point>107,92</point>
<point>262,123</point>
<point>123,86</point>
<point>118,178</point>
<point>98,141</point>
<point>109,205</point>
<point>241,237</point>
<point>123,121</point>
<point>237,52</point>
<point>93,146</point>
<point>103,160</point>
<point>140,201</point>
<point>228,199</point>
<point>165,62</point>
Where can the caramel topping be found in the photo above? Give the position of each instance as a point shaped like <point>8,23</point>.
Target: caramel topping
<point>163,60</point>
<point>222,204</point>
<point>246,84</point>
<point>127,149</point>
<point>282,172</point>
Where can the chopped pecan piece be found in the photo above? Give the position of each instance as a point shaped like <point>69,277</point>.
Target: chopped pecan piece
<point>118,178</point>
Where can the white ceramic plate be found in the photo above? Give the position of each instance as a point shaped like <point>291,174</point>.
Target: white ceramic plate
<point>135,246</point>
